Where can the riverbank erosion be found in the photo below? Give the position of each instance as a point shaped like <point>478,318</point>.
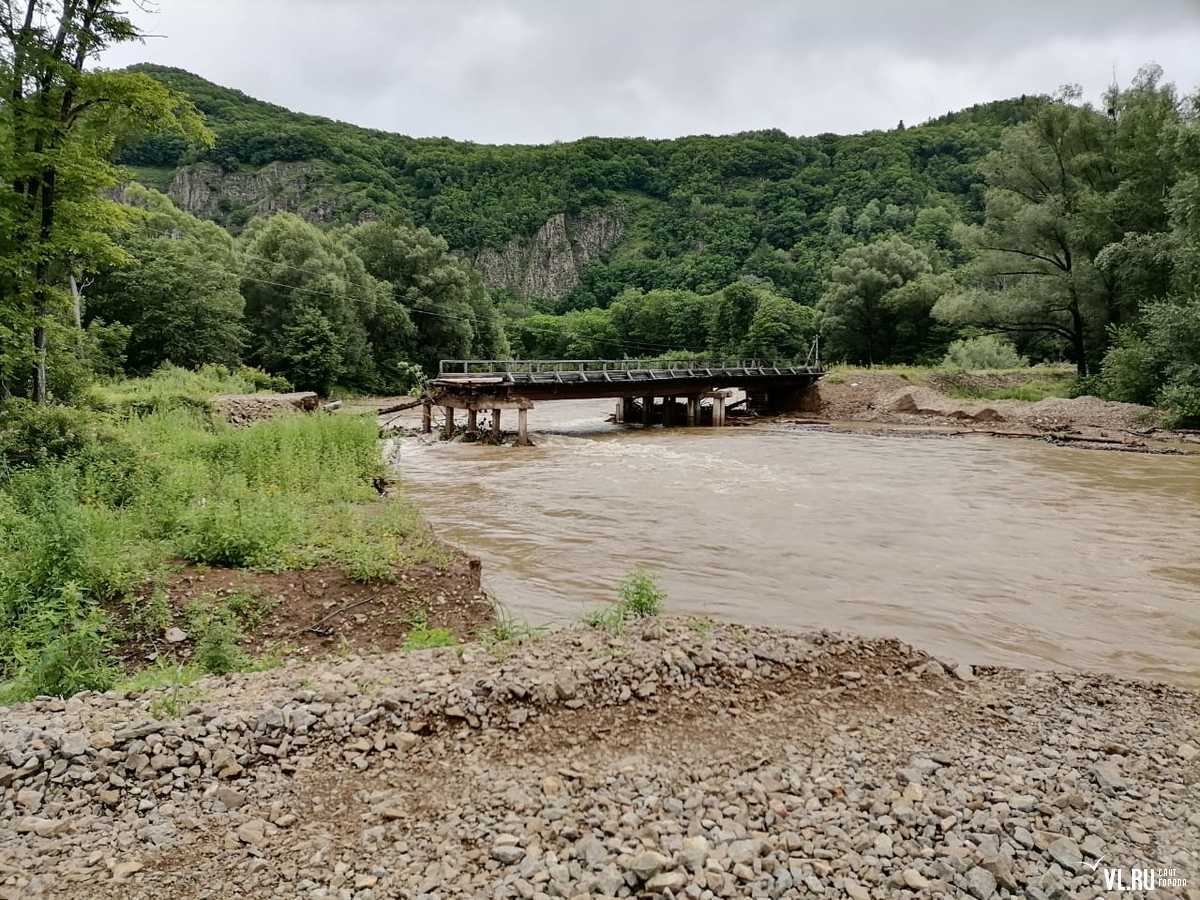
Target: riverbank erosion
<point>1018,403</point>
<point>674,758</point>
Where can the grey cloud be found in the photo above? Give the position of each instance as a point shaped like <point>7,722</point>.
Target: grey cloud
<point>543,70</point>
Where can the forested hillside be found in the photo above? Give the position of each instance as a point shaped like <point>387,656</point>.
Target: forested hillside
<point>1037,228</point>
<point>694,213</point>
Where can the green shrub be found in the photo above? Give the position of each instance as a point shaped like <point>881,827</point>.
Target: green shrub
<point>79,659</point>
<point>1180,398</point>
<point>263,381</point>
<point>235,526</point>
<point>988,351</point>
<point>421,637</point>
<point>33,434</point>
<point>609,618</point>
<point>1130,371</point>
<point>640,598</point>
<point>640,595</point>
<point>216,634</point>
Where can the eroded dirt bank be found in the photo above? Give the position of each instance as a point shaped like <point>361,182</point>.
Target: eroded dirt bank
<point>893,402</point>
<point>677,759</point>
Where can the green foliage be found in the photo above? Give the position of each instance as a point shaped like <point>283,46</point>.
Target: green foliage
<point>216,632</point>
<point>238,527</point>
<point>444,310</point>
<point>640,598</point>
<point>77,659</point>
<point>876,293</point>
<point>173,388</point>
<point>58,125</point>
<point>641,595</point>
<point>987,351</point>
<point>421,636</point>
<point>178,295</point>
<point>1157,360</point>
<point>93,527</point>
<point>32,435</point>
<point>697,207</point>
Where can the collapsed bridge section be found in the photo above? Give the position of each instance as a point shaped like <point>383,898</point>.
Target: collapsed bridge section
<point>646,390</point>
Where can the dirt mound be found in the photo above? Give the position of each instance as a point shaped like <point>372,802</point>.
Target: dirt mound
<point>242,409</point>
<point>888,398</point>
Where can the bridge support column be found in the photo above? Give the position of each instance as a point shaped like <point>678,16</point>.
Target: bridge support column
<point>718,407</point>
<point>647,411</point>
<point>448,430</point>
<point>472,426</point>
<point>668,411</point>
<point>523,428</point>
<point>693,411</point>
<point>496,433</point>
<point>426,417</point>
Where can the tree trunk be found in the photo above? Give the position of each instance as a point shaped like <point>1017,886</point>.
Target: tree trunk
<point>77,297</point>
<point>39,351</point>
<point>1077,341</point>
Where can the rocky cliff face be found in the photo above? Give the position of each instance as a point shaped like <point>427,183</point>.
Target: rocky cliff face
<point>546,264</point>
<point>549,263</point>
<point>206,191</point>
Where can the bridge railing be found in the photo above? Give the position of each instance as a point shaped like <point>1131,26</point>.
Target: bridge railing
<point>550,366</point>
<point>655,363</point>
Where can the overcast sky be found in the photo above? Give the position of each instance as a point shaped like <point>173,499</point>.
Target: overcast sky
<point>531,71</point>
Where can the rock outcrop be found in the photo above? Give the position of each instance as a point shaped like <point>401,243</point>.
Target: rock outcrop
<point>549,263</point>
<point>204,190</point>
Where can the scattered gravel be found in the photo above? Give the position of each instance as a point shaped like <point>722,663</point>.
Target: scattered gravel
<point>674,760</point>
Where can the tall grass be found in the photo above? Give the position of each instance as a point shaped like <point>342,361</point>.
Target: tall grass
<point>88,530</point>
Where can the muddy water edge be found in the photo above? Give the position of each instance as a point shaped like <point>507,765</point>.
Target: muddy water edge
<point>976,549</point>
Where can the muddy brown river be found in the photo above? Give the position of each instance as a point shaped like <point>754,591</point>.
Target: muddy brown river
<point>979,550</point>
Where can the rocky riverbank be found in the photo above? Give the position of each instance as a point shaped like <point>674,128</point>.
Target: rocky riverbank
<point>676,759</point>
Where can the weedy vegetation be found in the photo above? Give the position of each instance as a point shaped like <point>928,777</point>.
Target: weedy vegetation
<point>98,504</point>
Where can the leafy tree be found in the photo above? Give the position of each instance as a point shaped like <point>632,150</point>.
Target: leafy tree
<point>452,314</point>
<point>58,125</point>
<point>312,350</point>
<point>859,321</point>
<point>300,283</point>
<point>781,329</point>
<point>1061,189</point>
<point>178,293</point>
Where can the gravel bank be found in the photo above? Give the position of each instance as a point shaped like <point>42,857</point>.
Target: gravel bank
<point>675,760</point>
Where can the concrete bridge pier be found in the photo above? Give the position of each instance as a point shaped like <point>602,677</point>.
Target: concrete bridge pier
<point>472,434</point>
<point>523,427</point>
<point>426,417</point>
<point>647,411</point>
<point>718,407</point>
<point>448,428</point>
<point>496,432</point>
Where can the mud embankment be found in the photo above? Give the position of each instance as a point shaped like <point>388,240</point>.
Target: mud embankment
<point>894,403</point>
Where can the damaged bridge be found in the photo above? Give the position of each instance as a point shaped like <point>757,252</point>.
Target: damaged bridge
<point>646,391</point>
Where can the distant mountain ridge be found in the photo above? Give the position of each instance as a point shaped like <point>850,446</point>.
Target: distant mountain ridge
<point>572,222</point>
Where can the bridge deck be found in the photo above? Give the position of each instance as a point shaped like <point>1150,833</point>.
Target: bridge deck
<point>610,377</point>
<point>495,385</point>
